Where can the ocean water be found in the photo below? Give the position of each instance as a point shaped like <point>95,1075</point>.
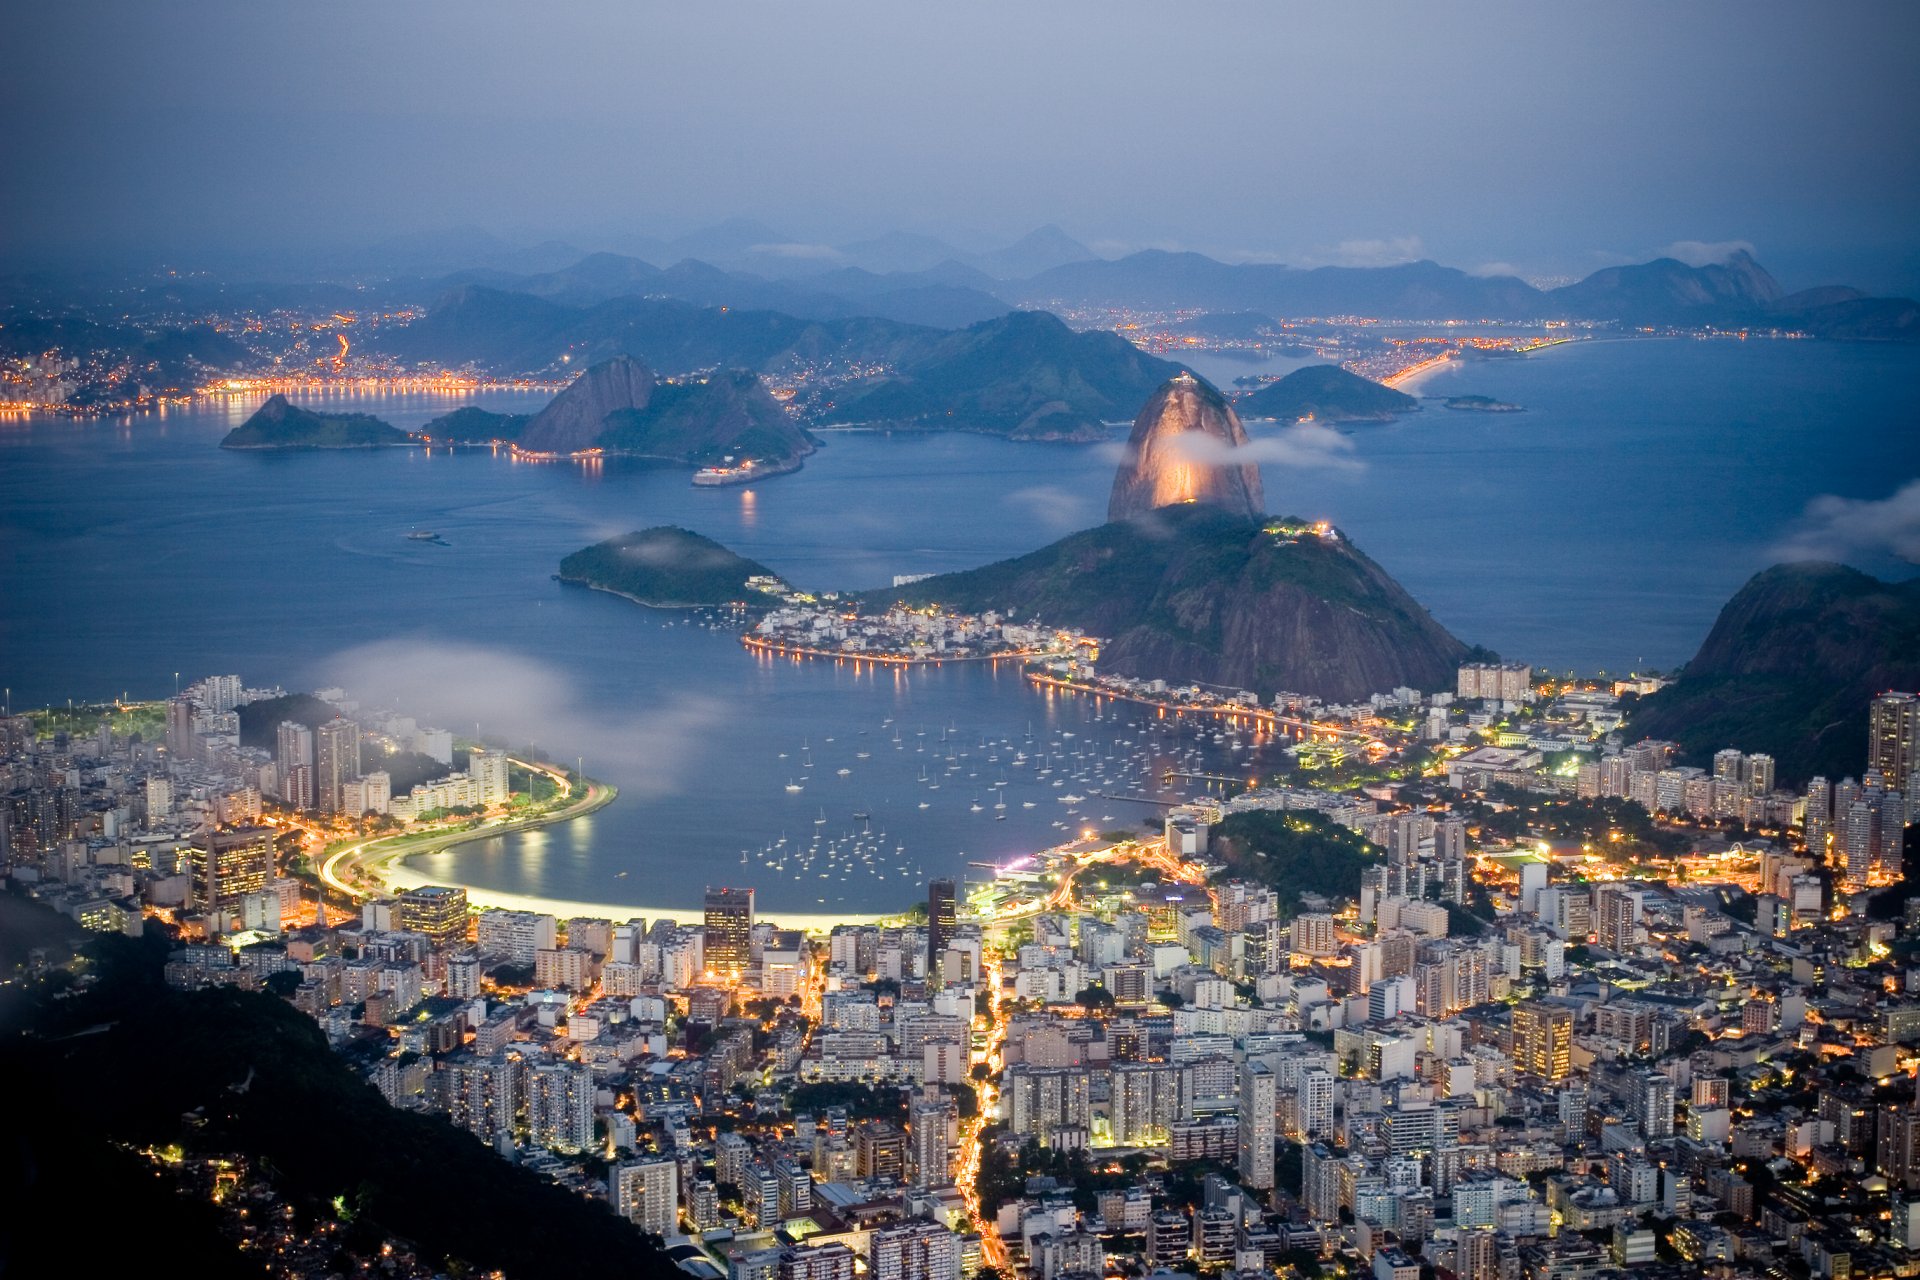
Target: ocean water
<point>1601,529</point>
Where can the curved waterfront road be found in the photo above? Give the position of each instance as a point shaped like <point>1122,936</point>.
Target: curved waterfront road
<point>341,866</point>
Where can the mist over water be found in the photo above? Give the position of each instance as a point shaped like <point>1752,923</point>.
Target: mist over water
<point>1602,528</point>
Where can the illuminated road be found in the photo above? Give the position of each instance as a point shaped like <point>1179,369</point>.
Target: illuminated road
<point>993,1250</point>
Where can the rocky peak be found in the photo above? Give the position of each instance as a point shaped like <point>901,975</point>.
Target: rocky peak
<point>577,416</point>
<point>1181,451</point>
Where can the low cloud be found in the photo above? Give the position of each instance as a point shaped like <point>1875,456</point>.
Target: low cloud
<point>1053,507</point>
<point>1390,252</point>
<point>1706,253</point>
<point>795,249</point>
<point>1304,446</point>
<point>1836,528</point>
<point>511,696</point>
<point>1489,269</point>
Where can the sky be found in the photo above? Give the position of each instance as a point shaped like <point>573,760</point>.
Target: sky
<point>1547,139</point>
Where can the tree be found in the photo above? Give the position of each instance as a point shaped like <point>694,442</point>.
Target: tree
<point>1094,999</point>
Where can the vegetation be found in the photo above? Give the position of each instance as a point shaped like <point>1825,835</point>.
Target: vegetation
<point>278,424</point>
<point>862,1101</point>
<point>1294,852</point>
<point>1197,593</point>
<point>666,567</point>
<point>471,424</point>
<point>703,422</point>
<point>148,719</point>
<point>1790,667</point>
<point>405,1175</point>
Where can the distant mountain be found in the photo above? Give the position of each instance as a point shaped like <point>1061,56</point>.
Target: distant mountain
<point>618,406</point>
<point>1179,452</point>
<point>1789,668</point>
<point>996,375</point>
<point>158,358</point>
<point>1668,291</point>
<point>1159,279</point>
<point>471,424</point>
<point>898,251</point>
<point>518,333</point>
<point>279,424</point>
<point>1326,393</point>
<point>948,296</point>
<point>666,567</point>
<point>1194,593</point>
<point>1663,292</point>
<point>1039,250</point>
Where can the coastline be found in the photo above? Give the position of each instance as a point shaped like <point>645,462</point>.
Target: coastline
<point>645,604</point>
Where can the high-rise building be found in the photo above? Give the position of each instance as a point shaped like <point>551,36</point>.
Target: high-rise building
<point>1542,1039</point>
<point>913,1251</point>
<point>647,1193</point>
<point>336,761</point>
<point>1258,1105</point>
<point>941,917</point>
<point>931,1121</point>
<point>488,769</point>
<point>1655,1098</point>
<point>436,910</point>
<point>1313,1106</point>
<point>560,1107</point>
<point>1893,737</point>
<point>229,865</point>
<point>729,935</point>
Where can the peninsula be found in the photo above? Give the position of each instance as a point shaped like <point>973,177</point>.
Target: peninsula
<point>1326,393</point>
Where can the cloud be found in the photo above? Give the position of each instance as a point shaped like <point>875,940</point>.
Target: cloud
<point>1836,528</point>
<point>1390,252</point>
<point>660,747</point>
<point>1489,269</point>
<point>1053,507</point>
<point>1706,253</point>
<point>1303,446</point>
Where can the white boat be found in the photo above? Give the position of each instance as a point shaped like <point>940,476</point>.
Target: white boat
<point>794,788</point>
<point>843,772</point>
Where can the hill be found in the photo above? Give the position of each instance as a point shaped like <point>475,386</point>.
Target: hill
<point>260,1081</point>
<point>471,424</point>
<point>996,375</point>
<point>1194,593</point>
<point>665,567</point>
<point>618,406</point>
<point>1326,393</point>
<point>1294,853</point>
<point>1669,291</point>
<point>279,424</point>
<point>1789,668</point>
<point>701,422</point>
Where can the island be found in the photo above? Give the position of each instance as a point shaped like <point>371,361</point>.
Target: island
<point>1481,404</point>
<point>280,424</point>
<point>669,568</point>
<point>1326,393</point>
<point>471,424</point>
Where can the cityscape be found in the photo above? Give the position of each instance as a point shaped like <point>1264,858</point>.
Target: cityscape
<point>839,643</point>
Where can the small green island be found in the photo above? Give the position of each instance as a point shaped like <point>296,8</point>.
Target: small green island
<point>280,424</point>
<point>471,424</point>
<point>1325,393</point>
<point>666,568</point>
<point>1481,404</point>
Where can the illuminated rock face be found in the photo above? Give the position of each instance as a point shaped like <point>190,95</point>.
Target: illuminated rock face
<point>1181,452</point>
<point>578,414</point>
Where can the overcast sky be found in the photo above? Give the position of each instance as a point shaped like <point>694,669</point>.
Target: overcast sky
<point>1555,139</point>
